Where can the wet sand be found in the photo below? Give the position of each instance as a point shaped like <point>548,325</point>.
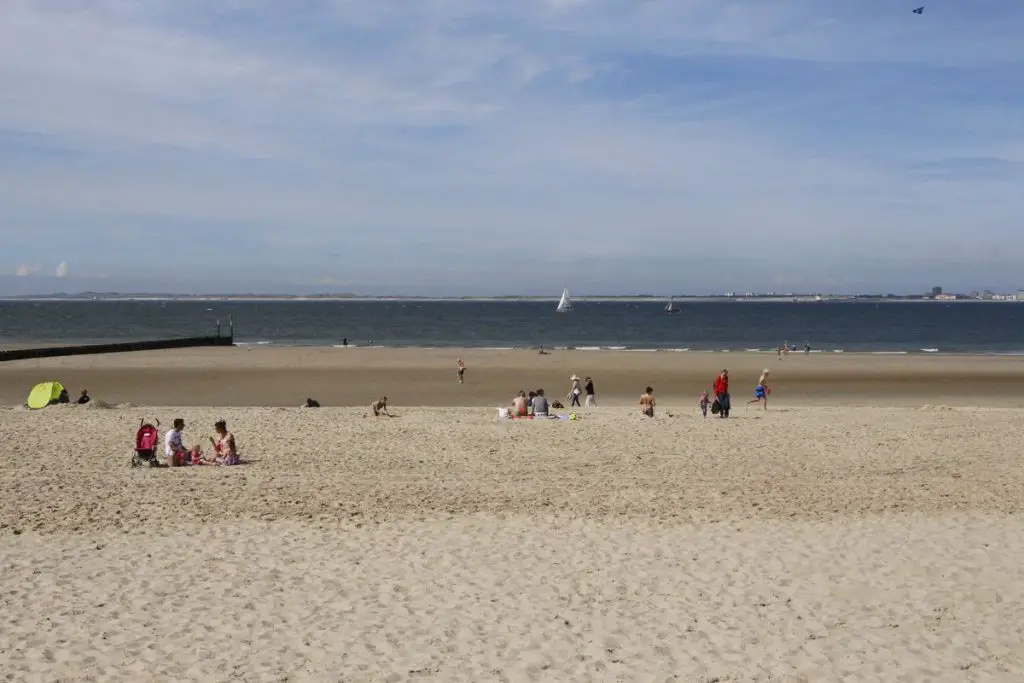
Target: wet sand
<point>427,377</point>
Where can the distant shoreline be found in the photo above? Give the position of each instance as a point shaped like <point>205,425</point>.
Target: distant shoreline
<point>810,299</point>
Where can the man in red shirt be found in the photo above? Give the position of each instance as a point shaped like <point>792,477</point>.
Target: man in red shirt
<point>721,389</point>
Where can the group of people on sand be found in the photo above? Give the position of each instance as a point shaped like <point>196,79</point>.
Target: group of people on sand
<point>718,400</point>
<point>535,405</point>
<point>575,391</point>
<point>225,451</point>
<point>64,398</point>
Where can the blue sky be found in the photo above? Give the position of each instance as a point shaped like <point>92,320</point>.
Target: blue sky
<point>450,146</point>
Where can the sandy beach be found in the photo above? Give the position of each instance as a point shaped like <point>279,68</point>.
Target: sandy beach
<point>811,542</point>
<point>266,376</point>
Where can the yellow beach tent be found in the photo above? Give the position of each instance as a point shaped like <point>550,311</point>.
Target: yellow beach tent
<point>43,393</point>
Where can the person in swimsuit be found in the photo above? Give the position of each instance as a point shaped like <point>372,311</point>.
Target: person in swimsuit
<point>520,406</point>
<point>462,372</point>
<point>647,402</point>
<point>223,443</point>
<point>761,390</point>
<point>380,407</point>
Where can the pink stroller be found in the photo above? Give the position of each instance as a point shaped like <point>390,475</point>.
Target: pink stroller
<point>147,439</point>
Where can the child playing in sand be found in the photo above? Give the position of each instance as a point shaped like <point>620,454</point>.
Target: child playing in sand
<point>705,399</point>
<point>380,407</point>
<point>647,402</point>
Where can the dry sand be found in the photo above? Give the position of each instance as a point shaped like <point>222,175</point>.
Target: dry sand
<point>426,377</point>
<point>801,544</point>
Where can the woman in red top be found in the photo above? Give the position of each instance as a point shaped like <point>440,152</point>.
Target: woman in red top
<point>721,389</point>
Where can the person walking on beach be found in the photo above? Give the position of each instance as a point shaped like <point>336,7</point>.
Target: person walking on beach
<point>647,402</point>
<point>574,393</point>
<point>462,372</point>
<point>761,390</point>
<point>721,390</point>
<point>703,403</point>
<point>591,399</point>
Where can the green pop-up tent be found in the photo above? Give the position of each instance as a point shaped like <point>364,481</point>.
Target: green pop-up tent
<point>43,393</point>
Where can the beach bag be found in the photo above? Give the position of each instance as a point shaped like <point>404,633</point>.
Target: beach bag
<point>716,407</point>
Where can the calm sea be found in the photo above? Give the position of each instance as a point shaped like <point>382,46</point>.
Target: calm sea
<point>928,327</point>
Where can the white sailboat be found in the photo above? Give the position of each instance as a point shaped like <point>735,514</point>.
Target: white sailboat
<point>564,305</point>
<point>670,307</point>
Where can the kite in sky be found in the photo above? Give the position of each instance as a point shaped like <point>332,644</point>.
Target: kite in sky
<point>919,10</point>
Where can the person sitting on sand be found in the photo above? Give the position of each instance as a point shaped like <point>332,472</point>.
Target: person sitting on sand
<point>540,404</point>
<point>647,402</point>
<point>174,448</point>
<point>83,398</point>
<point>380,407</point>
<point>311,403</point>
<point>223,443</point>
<point>519,405</point>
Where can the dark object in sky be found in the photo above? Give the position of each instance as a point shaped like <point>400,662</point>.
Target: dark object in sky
<point>919,10</point>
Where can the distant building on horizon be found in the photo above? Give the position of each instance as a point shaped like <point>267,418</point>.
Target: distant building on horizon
<point>936,291</point>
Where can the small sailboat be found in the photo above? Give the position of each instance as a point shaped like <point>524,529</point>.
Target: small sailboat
<point>564,305</point>
<point>670,307</point>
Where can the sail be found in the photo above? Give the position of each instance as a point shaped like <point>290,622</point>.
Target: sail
<point>670,308</point>
<point>564,304</point>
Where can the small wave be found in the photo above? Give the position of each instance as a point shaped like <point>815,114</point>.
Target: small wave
<point>258,343</point>
<point>752,350</point>
<point>588,348</point>
<point>836,351</point>
<point>497,348</point>
<point>343,346</point>
<point>677,350</point>
<point>930,350</point>
<point>616,348</point>
<point>888,353</point>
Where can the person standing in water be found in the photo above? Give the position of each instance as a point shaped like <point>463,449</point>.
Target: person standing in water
<point>462,372</point>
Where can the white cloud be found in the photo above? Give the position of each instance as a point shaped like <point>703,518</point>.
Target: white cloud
<point>368,138</point>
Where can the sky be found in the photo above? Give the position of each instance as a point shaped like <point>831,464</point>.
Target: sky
<point>447,147</point>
